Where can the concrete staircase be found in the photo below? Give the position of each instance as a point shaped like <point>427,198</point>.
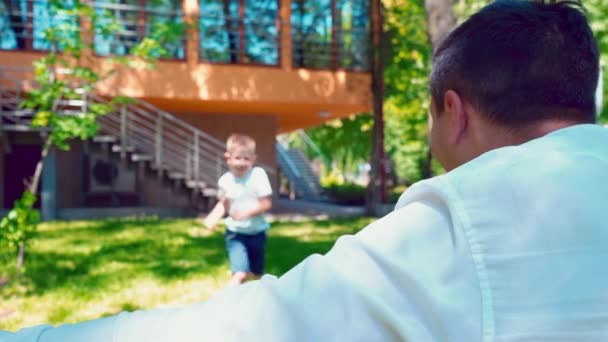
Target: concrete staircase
<point>138,133</point>
<point>296,168</point>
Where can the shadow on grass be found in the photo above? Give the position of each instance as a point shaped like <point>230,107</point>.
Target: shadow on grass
<point>92,259</point>
<point>95,257</point>
<point>284,252</point>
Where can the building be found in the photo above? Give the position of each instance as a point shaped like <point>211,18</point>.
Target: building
<point>260,67</point>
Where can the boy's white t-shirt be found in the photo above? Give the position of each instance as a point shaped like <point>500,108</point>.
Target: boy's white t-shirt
<point>243,193</point>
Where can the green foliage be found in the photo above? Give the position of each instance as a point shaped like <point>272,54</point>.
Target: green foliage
<point>408,61</point>
<point>346,193</point>
<point>346,142</point>
<point>596,12</point>
<point>20,223</point>
<point>342,191</point>
<point>395,193</point>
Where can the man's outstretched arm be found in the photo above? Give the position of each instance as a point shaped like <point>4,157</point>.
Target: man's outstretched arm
<point>405,277</point>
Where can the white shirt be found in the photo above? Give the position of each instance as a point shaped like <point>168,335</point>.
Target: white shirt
<point>511,246</point>
<point>244,193</point>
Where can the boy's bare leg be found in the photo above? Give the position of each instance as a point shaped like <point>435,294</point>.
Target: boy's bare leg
<point>238,278</point>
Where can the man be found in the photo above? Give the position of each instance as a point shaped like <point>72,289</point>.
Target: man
<point>510,244</point>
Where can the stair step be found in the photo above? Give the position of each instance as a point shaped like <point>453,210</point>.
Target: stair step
<point>72,103</point>
<point>141,157</point>
<point>176,175</point>
<point>21,128</point>
<point>104,139</point>
<point>118,148</point>
<point>19,112</point>
<point>194,184</point>
<point>209,192</point>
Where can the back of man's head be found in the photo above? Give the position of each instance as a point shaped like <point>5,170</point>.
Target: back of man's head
<point>521,62</point>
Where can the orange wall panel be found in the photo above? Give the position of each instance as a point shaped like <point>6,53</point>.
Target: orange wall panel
<point>297,97</point>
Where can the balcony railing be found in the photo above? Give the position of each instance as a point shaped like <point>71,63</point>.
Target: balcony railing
<point>239,40</point>
<point>230,31</point>
<point>137,22</point>
<point>346,49</point>
<point>23,24</point>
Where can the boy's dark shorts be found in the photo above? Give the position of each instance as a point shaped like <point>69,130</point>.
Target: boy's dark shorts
<point>246,252</point>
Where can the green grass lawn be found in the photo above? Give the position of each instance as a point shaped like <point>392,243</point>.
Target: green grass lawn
<point>83,270</point>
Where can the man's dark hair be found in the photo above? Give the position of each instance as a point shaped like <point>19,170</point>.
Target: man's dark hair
<point>519,62</point>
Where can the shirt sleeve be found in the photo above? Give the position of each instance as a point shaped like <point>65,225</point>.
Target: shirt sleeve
<point>405,277</point>
<point>221,186</point>
<point>261,183</point>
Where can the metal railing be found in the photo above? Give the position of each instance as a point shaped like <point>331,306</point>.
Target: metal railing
<point>14,82</point>
<point>143,131</point>
<point>249,35</point>
<point>168,142</point>
<point>344,49</point>
<point>137,22</point>
<point>23,26</point>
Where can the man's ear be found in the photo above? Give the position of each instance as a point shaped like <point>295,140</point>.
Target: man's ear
<point>457,115</point>
<point>226,155</point>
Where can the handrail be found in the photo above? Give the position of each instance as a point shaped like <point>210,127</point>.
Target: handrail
<point>283,156</point>
<point>174,145</point>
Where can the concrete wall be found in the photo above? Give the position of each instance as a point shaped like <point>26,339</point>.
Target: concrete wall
<point>153,192</point>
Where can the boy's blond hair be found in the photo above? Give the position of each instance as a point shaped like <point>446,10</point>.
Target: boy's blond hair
<point>241,142</point>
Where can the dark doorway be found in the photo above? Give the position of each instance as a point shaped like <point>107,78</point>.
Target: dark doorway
<point>19,165</point>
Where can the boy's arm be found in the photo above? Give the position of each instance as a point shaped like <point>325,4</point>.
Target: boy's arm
<point>216,214</point>
<point>264,204</point>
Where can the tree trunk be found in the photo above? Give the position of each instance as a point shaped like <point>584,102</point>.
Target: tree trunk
<point>426,170</point>
<point>440,21</point>
<point>32,186</point>
<point>375,190</point>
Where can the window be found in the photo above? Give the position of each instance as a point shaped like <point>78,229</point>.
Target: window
<point>353,34</point>
<point>137,19</point>
<point>330,34</point>
<point>239,31</point>
<point>24,24</point>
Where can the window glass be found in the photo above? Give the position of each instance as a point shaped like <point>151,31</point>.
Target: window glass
<point>233,31</point>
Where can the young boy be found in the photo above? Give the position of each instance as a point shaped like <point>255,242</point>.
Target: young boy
<point>245,194</point>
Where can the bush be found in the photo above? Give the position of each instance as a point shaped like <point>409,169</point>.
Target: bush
<point>346,193</point>
<point>395,193</point>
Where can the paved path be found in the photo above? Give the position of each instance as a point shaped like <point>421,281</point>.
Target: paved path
<point>298,210</point>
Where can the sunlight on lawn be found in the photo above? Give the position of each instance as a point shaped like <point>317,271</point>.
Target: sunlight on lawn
<point>83,270</point>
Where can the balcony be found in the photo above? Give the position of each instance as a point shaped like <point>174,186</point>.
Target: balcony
<point>303,62</point>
